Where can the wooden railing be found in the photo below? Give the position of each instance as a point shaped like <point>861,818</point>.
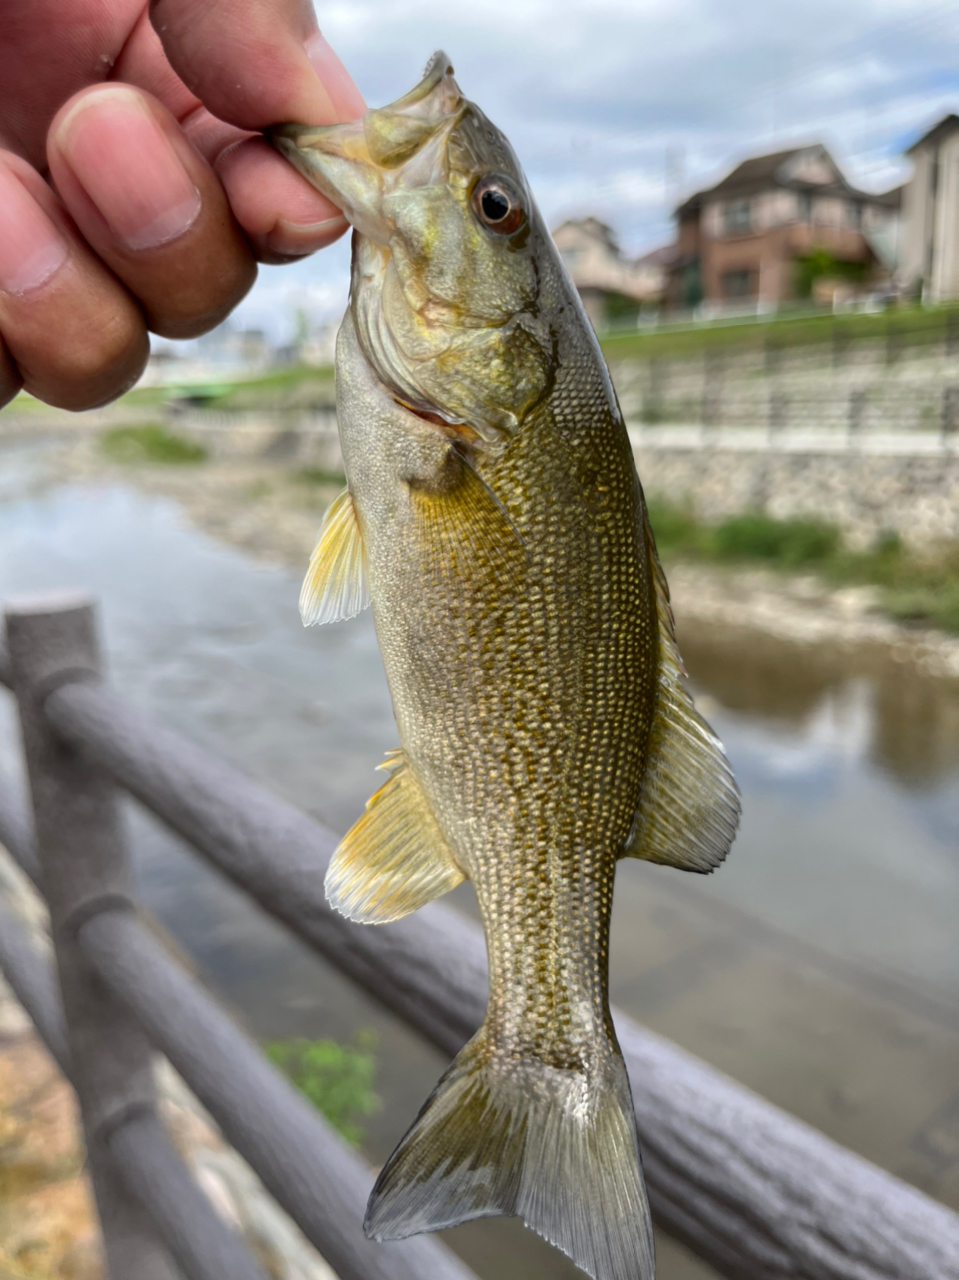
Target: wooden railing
<point>747,1187</point>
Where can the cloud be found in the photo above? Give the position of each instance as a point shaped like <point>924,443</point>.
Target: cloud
<point>621,106</point>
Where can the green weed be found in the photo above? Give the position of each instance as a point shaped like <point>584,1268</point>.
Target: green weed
<point>316,475</point>
<point>904,326</point>
<point>914,587</point>
<point>150,443</point>
<point>336,1078</point>
<point>790,544</point>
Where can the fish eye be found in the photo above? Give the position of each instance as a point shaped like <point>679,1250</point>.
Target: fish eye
<point>498,206</point>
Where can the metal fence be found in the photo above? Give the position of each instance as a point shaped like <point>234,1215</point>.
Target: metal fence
<point>747,1187</point>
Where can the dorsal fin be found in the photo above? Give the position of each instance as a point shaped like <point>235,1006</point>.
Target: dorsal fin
<point>394,858</point>
<point>689,804</point>
<point>336,585</point>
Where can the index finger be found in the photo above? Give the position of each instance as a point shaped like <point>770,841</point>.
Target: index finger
<point>270,64</point>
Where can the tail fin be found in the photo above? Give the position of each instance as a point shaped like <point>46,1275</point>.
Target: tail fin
<point>557,1148</point>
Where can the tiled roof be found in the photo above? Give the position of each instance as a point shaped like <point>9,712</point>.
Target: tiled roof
<point>754,174</point>
<point>759,173</point>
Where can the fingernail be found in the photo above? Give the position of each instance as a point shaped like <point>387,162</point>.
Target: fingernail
<point>31,247</point>
<point>125,163</point>
<point>346,98</point>
<point>297,239</point>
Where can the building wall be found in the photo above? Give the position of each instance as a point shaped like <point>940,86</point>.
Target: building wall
<point>594,304</point>
<point>770,257</point>
<point>929,238</point>
<point>777,238</point>
<point>593,265</point>
<point>944,279</point>
<point>916,235</point>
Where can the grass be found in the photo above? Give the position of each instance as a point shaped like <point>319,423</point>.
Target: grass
<point>902,326</point>
<point>236,392</point>
<point>336,1078</point>
<point>268,389</point>
<point>915,587</point>
<point>150,443</point>
<point>316,475</point>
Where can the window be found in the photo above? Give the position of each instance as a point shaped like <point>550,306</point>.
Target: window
<point>854,212</point>
<point>570,256</point>
<point>738,283</point>
<point>804,207</point>
<point>738,217</point>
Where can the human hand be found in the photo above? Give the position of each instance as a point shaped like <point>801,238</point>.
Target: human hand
<point>134,194</point>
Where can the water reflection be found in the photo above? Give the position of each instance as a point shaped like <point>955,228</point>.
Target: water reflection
<point>914,718</point>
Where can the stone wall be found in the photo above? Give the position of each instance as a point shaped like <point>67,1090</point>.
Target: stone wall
<point>865,493</point>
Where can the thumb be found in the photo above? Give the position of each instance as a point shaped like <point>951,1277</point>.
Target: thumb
<point>255,63</point>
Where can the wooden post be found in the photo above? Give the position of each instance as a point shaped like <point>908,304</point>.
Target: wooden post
<point>84,867</point>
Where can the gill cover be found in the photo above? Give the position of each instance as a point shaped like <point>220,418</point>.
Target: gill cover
<point>445,291</point>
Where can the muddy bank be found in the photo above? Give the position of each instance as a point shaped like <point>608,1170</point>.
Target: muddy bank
<point>806,611</point>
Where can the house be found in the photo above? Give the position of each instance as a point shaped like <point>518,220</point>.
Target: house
<point>929,258</point>
<point>781,226</point>
<point>611,286</point>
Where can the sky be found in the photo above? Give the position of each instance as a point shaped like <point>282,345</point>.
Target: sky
<point>620,108</point>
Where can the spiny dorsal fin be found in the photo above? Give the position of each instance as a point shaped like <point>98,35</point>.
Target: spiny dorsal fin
<point>394,858</point>
<point>689,805</point>
<point>336,585</point>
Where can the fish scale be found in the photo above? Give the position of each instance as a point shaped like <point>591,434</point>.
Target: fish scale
<point>494,520</point>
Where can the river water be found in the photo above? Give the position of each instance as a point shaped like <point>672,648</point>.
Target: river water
<point>820,965</point>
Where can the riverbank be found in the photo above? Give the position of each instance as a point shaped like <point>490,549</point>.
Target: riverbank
<point>273,510</point>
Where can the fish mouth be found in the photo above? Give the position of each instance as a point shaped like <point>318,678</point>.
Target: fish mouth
<point>358,164</point>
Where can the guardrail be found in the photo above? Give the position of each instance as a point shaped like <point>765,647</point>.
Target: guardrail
<point>747,1187</point>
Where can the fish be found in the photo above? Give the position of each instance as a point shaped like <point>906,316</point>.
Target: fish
<point>494,521</point>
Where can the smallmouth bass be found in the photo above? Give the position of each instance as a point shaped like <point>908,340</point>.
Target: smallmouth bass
<point>494,519</point>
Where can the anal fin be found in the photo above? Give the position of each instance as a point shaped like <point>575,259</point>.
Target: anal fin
<point>336,586</point>
<point>689,804</point>
<point>394,858</point>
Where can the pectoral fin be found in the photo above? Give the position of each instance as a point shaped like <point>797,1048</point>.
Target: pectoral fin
<point>689,806</point>
<point>394,858</point>
<point>463,527</point>
<point>336,586</point>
